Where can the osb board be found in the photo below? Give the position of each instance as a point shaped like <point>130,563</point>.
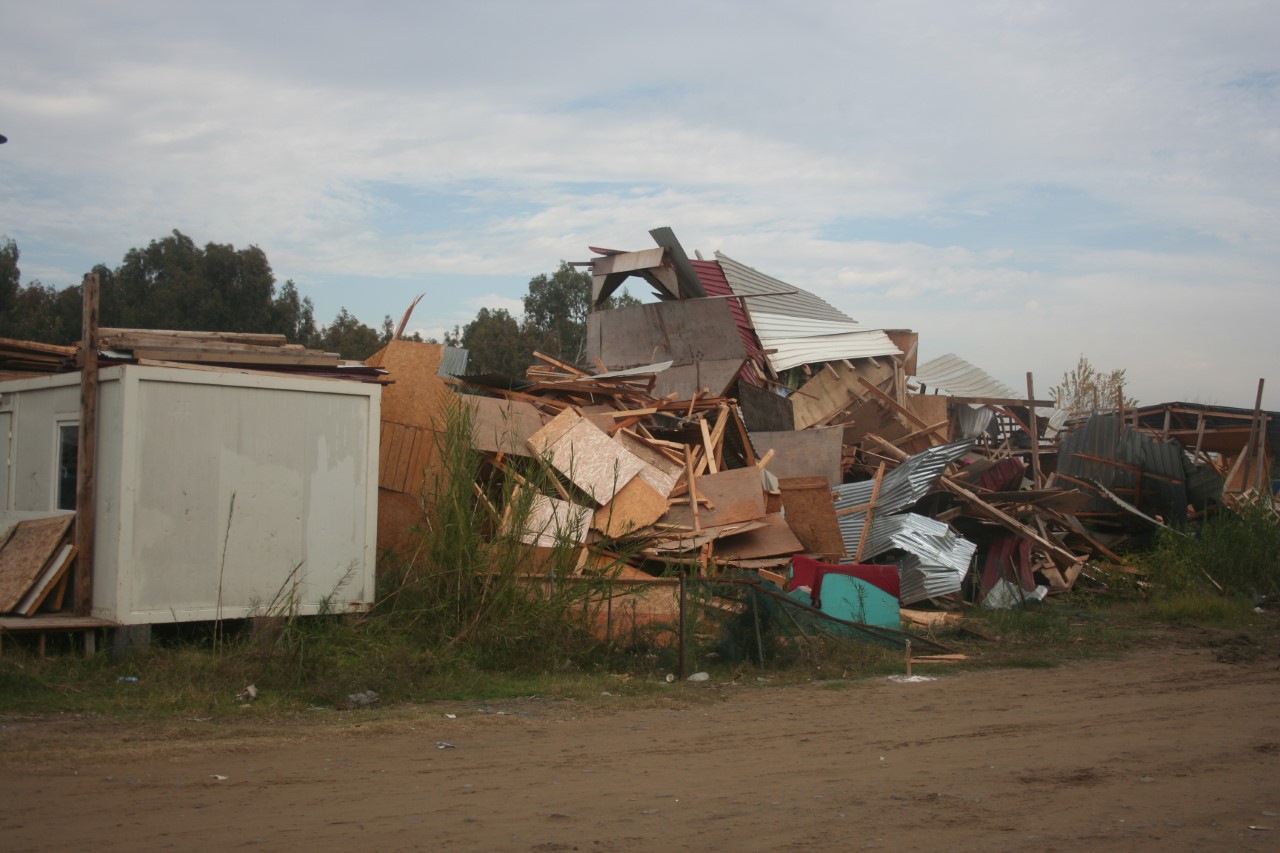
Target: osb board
<point>773,538</point>
<point>811,452</point>
<point>636,505</point>
<point>417,394</point>
<point>833,388</point>
<point>685,380</point>
<point>400,518</point>
<point>404,454</point>
<point>53,572</point>
<point>29,548</point>
<point>552,522</point>
<point>683,331</point>
<point>932,409</point>
<point>659,471</point>
<point>811,512</point>
<point>737,495</point>
<point>587,456</point>
<point>502,426</point>
<point>632,608</point>
<point>764,410</point>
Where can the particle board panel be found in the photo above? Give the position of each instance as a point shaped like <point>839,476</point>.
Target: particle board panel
<point>811,452</point>
<point>26,554</point>
<point>552,522</point>
<point>587,456</point>
<point>659,472</point>
<point>54,572</point>
<point>811,512</point>
<point>417,395</point>
<point>736,495</point>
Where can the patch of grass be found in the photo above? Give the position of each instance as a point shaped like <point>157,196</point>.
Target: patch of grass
<point>1201,608</point>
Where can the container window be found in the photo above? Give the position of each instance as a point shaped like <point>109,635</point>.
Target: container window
<point>68,455</point>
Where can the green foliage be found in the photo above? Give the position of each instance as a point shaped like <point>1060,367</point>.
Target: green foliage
<point>554,323</point>
<point>494,342</point>
<point>1236,553</point>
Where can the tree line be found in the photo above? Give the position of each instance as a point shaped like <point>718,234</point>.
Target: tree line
<point>174,284</point>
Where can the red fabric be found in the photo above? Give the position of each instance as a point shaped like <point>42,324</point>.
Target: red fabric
<point>809,572</point>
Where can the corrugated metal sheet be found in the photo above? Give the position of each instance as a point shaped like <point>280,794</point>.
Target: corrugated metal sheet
<point>952,375</point>
<point>715,284</point>
<point>899,489</point>
<point>746,281</point>
<point>936,560</point>
<point>1101,436</point>
<point>453,362</point>
<point>801,327</point>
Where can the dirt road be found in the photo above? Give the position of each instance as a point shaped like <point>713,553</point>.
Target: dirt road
<point>1168,750</point>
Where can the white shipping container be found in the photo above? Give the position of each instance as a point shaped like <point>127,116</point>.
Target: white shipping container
<point>219,494</point>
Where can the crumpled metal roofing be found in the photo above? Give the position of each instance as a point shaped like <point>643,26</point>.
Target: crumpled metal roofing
<point>920,578</point>
<point>899,489</point>
<point>956,377</point>
<point>953,376</point>
<point>801,327</point>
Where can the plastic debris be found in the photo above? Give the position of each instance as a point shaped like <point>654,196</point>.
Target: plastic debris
<point>699,676</point>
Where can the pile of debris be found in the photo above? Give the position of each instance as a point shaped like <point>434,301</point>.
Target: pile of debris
<point>34,557</point>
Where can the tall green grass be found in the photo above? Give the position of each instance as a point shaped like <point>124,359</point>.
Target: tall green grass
<point>1236,552</point>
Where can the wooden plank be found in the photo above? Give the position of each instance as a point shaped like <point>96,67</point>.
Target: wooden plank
<point>55,571</point>
<point>232,356</point>
<point>811,512</point>
<point>871,511</point>
<point>87,447</point>
<point>29,549</point>
<point>251,338</point>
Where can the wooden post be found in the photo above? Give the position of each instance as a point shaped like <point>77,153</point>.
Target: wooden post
<point>86,452</point>
<point>871,511</point>
<point>1257,442</point>
<point>683,663</point>
<point>908,658</point>
<point>1035,431</point>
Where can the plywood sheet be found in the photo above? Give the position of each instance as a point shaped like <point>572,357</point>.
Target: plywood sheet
<point>404,455</point>
<point>686,380</point>
<point>684,332</point>
<point>773,538</point>
<point>736,495</point>
<point>400,518</point>
<point>803,453</point>
<point>30,547</point>
<point>636,505</point>
<point>502,426</point>
<point>834,388</point>
<point>811,513</point>
<point>764,410</point>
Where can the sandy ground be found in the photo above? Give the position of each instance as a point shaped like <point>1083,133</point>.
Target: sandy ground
<point>1164,750</point>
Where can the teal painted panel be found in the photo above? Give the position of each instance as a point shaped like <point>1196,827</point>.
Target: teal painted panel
<point>855,600</point>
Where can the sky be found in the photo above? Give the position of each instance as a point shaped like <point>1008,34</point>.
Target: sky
<point>1022,183</point>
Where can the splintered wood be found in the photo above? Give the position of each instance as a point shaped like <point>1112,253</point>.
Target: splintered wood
<point>654,478</point>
